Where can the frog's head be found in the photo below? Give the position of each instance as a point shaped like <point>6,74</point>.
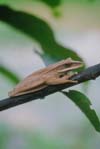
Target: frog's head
<point>69,65</point>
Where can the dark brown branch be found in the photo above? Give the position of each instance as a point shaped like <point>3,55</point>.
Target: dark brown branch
<point>88,74</point>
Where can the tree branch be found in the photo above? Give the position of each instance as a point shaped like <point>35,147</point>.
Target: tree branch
<point>90,73</point>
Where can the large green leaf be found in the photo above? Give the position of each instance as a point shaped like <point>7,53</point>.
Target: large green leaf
<point>85,105</point>
<point>39,30</point>
<point>9,75</point>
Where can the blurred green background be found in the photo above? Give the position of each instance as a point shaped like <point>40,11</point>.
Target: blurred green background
<point>43,32</point>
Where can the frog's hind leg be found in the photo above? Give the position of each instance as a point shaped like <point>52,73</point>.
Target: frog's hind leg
<point>31,90</point>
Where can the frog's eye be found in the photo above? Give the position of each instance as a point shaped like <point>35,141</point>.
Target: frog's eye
<point>70,65</point>
<point>66,65</point>
<point>61,75</point>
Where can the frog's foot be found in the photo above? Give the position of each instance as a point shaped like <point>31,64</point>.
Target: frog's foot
<point>62,80</point>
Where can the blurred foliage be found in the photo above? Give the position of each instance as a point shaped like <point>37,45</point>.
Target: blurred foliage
<point>39,30</point>
<point>4,136</point>
<point>84,104</point>
<point>30,139</point>
<point>9,74</point>
<point>52,3</point>
<point>39,141</point>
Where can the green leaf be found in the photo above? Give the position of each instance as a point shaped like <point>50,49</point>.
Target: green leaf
<point>8,74</point>
<point>85,106</point>
<point>39,30</point>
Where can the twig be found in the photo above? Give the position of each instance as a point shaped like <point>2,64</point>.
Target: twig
<point>90,73</point>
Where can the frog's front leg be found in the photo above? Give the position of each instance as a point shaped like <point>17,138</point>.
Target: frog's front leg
<point>59,80</point>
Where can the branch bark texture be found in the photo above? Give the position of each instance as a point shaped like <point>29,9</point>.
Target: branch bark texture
<point>90,73</point>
